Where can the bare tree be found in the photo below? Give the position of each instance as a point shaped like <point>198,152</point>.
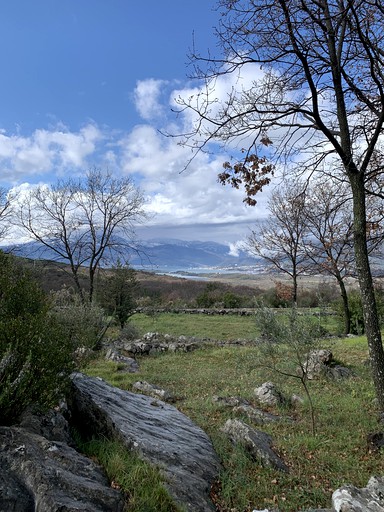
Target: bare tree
<point>83,221</point>
<point>5,212</point>
<point>317,94</point>
<point>280,240</point>
<point>329,220</point>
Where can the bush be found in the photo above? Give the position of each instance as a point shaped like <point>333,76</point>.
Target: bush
<point>85,324</point>
<point>231,300</point>
<point>271,299</point>
<point>356,310</point>
<point>130,332</point>
<point>35,352</point>
<point>116,293</point>
<point>209,297</point>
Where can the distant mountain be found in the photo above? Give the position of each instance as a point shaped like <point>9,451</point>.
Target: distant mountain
<point>172,254</point>
<point>181,254</point>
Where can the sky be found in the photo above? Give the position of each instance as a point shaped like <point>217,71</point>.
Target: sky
<point>92,83</point>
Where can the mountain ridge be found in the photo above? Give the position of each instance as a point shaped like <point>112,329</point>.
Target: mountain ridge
<point>158,253</point>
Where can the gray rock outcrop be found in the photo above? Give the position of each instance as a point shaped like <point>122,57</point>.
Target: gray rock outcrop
<point>38,475</point>
<point>154,391</point>
<point>268,394</point>
<point>367,499</point>
<point>51,424</point>
<point>317,362</point>
<point>258,444</point>
<point>229,401</point>
<point>128,364</point>
<point>321,363</point>
<point>157,431</point>
<point>255,415</point>
<point>241,406</point>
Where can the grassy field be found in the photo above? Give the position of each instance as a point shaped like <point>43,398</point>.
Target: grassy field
<point>226,327</point>
<point>345,414</point>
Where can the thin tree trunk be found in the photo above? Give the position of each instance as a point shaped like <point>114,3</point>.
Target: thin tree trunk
<point>77,283</point>
<point>294,291</point>
<point>91,284</point>
<point>371,319</point>
<point>346,311</point>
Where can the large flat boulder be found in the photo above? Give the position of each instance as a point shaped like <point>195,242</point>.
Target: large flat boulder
<point>38,475</point>
<point>157,431</point>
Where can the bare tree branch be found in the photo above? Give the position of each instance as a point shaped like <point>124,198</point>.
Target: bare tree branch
<point>84,221</point>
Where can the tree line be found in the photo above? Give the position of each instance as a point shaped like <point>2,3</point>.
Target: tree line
<point>310,231</point>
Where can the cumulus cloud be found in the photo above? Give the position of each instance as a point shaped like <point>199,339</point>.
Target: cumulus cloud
<point>46,151</point>
<point>147,98</point>
<point>185,198</point>
<point>182,197</point>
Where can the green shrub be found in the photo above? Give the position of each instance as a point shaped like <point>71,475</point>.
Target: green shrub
<point>231,300</point>
<point>209,297</point>
<point>85,324</point>
<point>35,352</point>
<point>271,299</point>
<point>356,310</point>
<point>130,332</point>
<point>116,292</point>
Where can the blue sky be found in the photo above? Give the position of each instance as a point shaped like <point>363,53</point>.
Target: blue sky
<point>91,82</point>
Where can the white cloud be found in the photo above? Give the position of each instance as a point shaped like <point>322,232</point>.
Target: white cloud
<point>212,97</point>
<point>236,247</point>
<point>147,98</point>
<point>187,197</point>
<point>46,151</point>
<point>189,200</point>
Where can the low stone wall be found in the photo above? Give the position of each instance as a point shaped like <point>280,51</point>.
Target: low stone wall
<point>199,311</point>
<point>154,342</point>
<point>225,311</point>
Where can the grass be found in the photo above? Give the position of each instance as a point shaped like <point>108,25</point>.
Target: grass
<point>345,414</point>
<point>128,473</point>
<point>219,327</point>
<point>225,327</point>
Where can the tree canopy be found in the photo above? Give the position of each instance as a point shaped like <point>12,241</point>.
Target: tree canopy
<point>84,221</point>
<point>306,88</point>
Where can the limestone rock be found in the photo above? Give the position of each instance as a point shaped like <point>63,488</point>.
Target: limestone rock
<point>37,475</point>
<point>268,394</point>
<point>156,431</point>
<point>321,362</point>
<point>129,364</point>
<point>256,415</point>
<point>257,443</point>
<point>338,372</point>
<point>367,499</point>
<point>154,391</point>
<point>316,363</point>
<point>242,406</point>
<point>51,424</point>
<point>230,401</point>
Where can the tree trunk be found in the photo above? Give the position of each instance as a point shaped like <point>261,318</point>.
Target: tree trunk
<point>371,319</point>
<point>77,282</point>
<point>294,282</point>
<point>346,311</point>
<point>91,273</point>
